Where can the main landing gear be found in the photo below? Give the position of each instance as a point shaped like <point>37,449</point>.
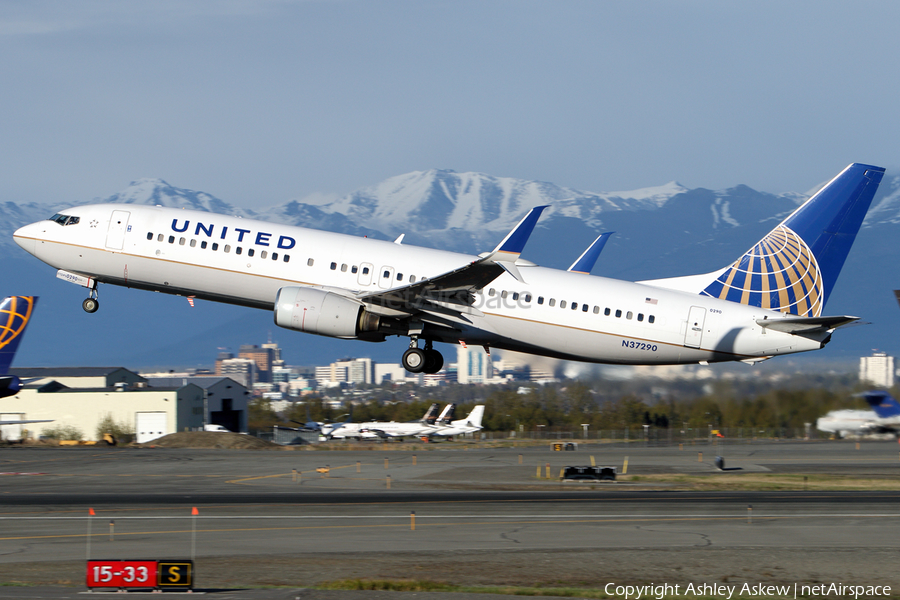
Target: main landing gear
<point>427,360</point>
<point>91,303</point>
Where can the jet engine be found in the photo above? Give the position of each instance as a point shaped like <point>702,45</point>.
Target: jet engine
<point>314,310</point>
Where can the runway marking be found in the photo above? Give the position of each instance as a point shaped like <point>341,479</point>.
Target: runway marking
<point>238,481</point>
<point>404,525</point>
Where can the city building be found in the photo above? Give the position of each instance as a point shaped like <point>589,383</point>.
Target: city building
<point>877,370</point>
<point>473,365</point>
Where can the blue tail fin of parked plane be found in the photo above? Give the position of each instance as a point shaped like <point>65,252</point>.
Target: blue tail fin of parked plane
<point>15,312</point>
<point>793,269</point>
<point>882,403</point>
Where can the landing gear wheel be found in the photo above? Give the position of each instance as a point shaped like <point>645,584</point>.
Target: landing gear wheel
<point>414,360</point>
<point>90,305</point>
<point>434,360</point>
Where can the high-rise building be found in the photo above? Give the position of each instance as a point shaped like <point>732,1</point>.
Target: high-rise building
<point>242,370</point>
<point>877,370</point>
<point>473,365</point>
<point>263,357</point>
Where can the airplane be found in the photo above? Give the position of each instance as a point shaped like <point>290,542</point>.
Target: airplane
<point>470,424</point>
<point>15,314</point>
<point>394,429</point>
<point>768,302</point>
<point>884,418</point>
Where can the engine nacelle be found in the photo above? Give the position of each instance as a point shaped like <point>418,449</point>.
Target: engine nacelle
<point>316,311</point>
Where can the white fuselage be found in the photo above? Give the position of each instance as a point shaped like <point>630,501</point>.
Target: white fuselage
<point>549,312</point>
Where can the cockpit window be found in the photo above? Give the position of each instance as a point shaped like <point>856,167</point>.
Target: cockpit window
<point>64,219</point>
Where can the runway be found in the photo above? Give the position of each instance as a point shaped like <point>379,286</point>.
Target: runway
<point>478,515</point>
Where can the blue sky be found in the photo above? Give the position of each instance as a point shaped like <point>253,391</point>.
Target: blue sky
<point>260,102</point>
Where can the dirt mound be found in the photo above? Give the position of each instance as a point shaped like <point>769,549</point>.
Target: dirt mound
<point>211,439</point>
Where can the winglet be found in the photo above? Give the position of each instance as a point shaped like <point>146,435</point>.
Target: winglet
<point>514,242</point>
<point>15,312</point>
<point>507,251</point>
<point>588,258</point>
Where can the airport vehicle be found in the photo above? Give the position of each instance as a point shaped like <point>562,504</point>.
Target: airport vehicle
<point>766,303</point>
<point>884,418</point>
<point>216,428</point>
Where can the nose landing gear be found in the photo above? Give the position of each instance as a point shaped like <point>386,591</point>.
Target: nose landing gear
<point>92,302</point>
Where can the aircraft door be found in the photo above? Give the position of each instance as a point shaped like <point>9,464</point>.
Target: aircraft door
<point>693,337</point>
<point>365,273</point>
<point>385,277</point>
<point>118,225</point>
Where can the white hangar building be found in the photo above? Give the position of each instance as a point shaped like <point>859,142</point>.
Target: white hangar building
<point>83,396</point>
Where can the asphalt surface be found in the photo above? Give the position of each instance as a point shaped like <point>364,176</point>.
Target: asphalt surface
<point>476,516</point>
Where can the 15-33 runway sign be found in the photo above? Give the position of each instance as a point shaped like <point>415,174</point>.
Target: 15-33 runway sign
<point>177,574</point>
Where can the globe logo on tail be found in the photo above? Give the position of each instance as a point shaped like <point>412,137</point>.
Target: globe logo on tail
<point>779,273</point>
<point>14,316</point>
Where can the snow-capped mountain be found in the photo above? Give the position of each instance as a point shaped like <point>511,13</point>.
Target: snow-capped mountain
<point>440,200</point>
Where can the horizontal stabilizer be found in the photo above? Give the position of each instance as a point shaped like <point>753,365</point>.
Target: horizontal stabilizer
<point>806,325</point>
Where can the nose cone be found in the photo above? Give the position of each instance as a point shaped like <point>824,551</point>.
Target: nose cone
<point>26,237</point>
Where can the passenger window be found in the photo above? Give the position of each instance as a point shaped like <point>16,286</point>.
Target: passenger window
<point>238,250</point>
<point>333,266</point>
<point>193,243</point>
<point>354,269</point>
<point>343,268</point>
<point>491,292</point>
<point>150,235</point>
<point>203,244</point>
<point>651,319</point>
<point>171,239</point>
<point>515,295</point>
<point>310,262</point>
<point>562,303</point>
<point>596,310</point>
<point>540,299</point>
<point>262,254</point>
<point>399,276</point>
<point>250,251</point>
<point>628,315</point>
<point>584,308</point>
<point>159,238</point>
<point>503,294</point>
<point>365,271</point>
<point>227,248</point>
<point>640,316</point>
<point>606,311</point>
<point>215,246</point>
<point>618,313</point>
<point>287,258</point>
<point>274,256</point>
<point>181,242</point>
<point>412,278</point>
<point>527,297</point>
<point>552,302</point>
<point>386,275</point>
<point>574,306</point>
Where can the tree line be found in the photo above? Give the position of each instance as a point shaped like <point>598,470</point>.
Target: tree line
<point>599,404</point>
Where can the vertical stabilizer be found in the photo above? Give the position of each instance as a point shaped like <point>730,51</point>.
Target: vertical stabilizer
<point>15,313</point>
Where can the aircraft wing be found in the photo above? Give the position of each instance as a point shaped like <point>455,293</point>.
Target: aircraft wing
<point>451,293</point>
<point>24,422</point>
<point>806,325</point>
